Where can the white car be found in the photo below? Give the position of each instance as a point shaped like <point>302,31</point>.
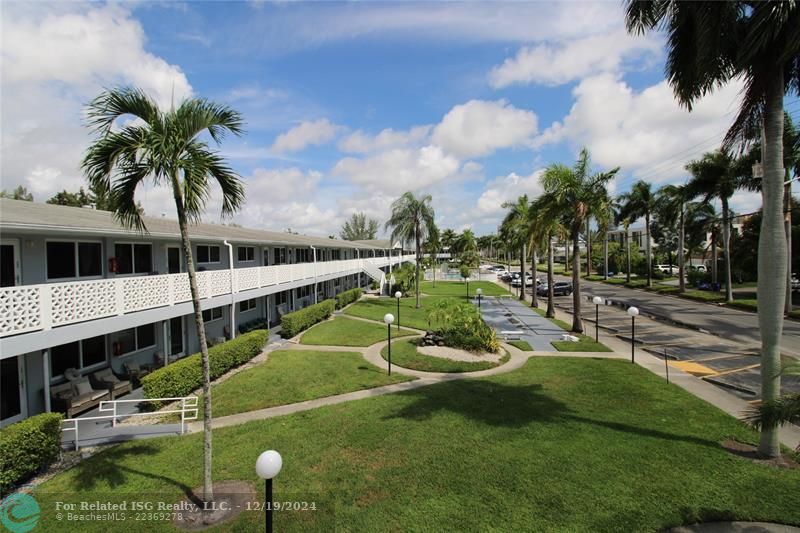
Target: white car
<point>667,269</point>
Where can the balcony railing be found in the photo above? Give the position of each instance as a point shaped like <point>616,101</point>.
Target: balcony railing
<point>28,308</point>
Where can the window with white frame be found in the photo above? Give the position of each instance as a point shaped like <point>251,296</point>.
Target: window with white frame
<point>282,298</point>
<point>280,256</point>
<point>207,254</point>
<point>210,315</point>
<point>133,258</point>
<point>132,340</point>
<point>246,253</point>
<point>74,259</point>
<point>247,305</point>
<point>79,354</point>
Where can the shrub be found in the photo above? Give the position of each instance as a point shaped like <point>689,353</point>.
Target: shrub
<point>186,375</point>
<point>696,277</point>
<point>345,298</point>
<point>27,447</point>
<point>294,323</point>
<point>461,326</point>
<point>258,323</point>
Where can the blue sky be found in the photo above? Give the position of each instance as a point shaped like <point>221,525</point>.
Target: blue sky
<point>349,105</point>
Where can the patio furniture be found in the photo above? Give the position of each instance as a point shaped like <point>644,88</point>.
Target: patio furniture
<point>75,397</point>
<point>135,372</point>
<point>106,379</point>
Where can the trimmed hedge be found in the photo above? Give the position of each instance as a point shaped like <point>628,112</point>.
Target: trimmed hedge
<point>294,323</point>
<point>186,375</point>
<point>345,298</point>
<point>28,446</point>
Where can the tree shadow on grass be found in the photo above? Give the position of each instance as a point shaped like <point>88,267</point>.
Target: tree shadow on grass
<point>498,404</point>
<point>108,466</point>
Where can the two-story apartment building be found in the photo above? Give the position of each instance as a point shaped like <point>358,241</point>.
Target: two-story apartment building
<point>78,291</point>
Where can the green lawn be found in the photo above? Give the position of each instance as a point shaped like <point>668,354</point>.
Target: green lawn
<point>343,331</point>
<point>559,445</point>
<point>585,344</point>
<point>459,289</point>
<point>405,354</point>
<point>522,345</point>
<point>291,376</point>
<point>376,308</point>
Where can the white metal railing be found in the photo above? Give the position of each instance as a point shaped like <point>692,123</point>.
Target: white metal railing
<point>187,410</point>
<point>44,306</point>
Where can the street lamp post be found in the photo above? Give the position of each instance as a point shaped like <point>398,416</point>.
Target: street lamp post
<point>398,295</point>
<point>597,302</point>
<point>633,311</point>
<point>479,291</point>
<point>268,465</point>
<point>389,318</point>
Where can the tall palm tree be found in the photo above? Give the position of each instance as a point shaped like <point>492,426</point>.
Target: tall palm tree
<point>545,222</point>
<point>576,192</point>
<point>715,175</point>
<point>412,218</point>
<point>448,239</point>
<point>640,202</point>
<point>516,223</point>
<point>710,44</point>
<point>165,148</point>
<point>671,203</point>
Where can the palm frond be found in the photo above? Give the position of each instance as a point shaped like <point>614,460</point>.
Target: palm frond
<point>112,104</point>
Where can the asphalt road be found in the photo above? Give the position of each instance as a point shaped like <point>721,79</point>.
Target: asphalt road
<point>731,324</point>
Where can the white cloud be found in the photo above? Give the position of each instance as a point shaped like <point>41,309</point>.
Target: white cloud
<point>56,57</point>
<point>360,142</point>
<point>305,134</point>
<point>645,132</point>
<point>479,127</point>
<point>506,189</point>
<point>565,61</point>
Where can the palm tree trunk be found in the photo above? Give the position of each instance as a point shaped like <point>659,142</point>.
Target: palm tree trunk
<point>566,256</point>
<point>208,491</point>
<point>605,256</point>
<point>534,265</point>
<point>681,231</point>
<point>577,322</point>
<point>714,258</point>
<point>787,209</point>
<point>588,249</point>
<point>435,264</point>
<point>551,310</point>
<point>772,258</point>
<point>416,266</point>
<point>628,249</point>
<point>726,249</point>
<point>522,273</point>
<point>649,257</point>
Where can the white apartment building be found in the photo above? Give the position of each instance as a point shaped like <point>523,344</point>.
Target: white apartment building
<point>79,291</point>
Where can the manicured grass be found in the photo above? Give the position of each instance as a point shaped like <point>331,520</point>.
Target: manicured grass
<point>290,376</point>
<point>343,331</point>
<point>703,296</point>
<point>522,345</point>
<point>585,344</point>
<point>405,354</point>
<point>559,445</point>
<point>376,308</point>
<point>459,288</point>
<point>745,304</point>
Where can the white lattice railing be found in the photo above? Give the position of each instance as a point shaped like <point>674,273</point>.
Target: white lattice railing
<point>36,307</point>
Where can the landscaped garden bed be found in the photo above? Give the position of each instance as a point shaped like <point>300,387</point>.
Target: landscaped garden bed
<point>345,331</point>
<point>407,354</point>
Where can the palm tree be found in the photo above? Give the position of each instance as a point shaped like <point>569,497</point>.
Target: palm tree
<point>577,193</point>
<point>165,149</point>
<point>448,239</point>
<point>640,202</point>
<point>545,223</point>
<point>782,410</point>
<point>715,175</point>
<point>710,44</point>
<point>517,229</point>
<point>671,208</point>
<point>412,218</point>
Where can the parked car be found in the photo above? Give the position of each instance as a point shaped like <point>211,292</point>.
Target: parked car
<point>560,288</point>
<point>499,268</point>
<point>668,270</point>
<point>700,268</point>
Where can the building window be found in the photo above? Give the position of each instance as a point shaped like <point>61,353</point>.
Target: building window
<point>303,255</point>
<point>79,354</point>
<point>282,298</point>
<point>210,315</point>
<point>247,305</point>
<point>74,260</point>
<point>207,254</point>
<point>135,339</point>
<point>246,253</point>
<point>280,256</point>
<point>133,258</point>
